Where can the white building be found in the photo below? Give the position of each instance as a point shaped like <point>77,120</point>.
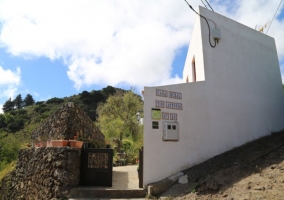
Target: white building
<point>234,95</point>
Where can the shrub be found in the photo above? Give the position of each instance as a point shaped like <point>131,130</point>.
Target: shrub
<point>22,112</point>
<point>54,100</point>
<point>39,103</point>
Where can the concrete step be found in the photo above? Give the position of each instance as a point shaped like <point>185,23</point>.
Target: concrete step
<point>86,193</point>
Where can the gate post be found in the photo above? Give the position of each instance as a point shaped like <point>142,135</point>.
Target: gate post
<point>141,167</point>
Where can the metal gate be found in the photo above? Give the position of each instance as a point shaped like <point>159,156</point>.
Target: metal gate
<point>96,167</point>
<point>140,171</point>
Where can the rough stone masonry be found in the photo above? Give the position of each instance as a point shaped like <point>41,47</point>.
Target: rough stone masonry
<point>66,122</point>
<point>43,173</point>
<point>50,173</point>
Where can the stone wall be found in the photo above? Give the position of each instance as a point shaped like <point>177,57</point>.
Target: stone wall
<point>43,173</point>
<point>69,120</point>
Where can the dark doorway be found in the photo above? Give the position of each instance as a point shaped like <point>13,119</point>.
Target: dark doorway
<point>193,70</point>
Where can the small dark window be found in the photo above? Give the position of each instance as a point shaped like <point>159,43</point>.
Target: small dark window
<point>169,127</point>
<point>174,127</point>
<point>155,125</point>
<point>193,70</point>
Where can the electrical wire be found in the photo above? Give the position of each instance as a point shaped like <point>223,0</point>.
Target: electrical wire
<point>267,153</point>
<point>213,22</point>
<point>274,16</point>
<point>204,4</point>
<point>213,46</point>
<point>209,5</point>
<point>280,37</point>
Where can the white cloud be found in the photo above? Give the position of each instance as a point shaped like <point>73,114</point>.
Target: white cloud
<point>106,42</point>
<point>115,42</point>
<point>9,81</point>
<point>7,77</point>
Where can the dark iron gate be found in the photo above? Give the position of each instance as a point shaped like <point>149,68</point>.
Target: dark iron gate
<point>140,171</point>
<point>96,167</point>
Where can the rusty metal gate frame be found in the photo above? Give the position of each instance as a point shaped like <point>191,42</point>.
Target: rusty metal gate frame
<point>96,167</point>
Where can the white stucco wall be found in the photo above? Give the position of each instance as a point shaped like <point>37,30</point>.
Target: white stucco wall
<point>197,53</point>
<point>238,97</point>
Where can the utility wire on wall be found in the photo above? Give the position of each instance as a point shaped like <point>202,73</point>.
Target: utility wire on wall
<point>206,22</point>
<point>273,16</point>
<point>204,4</point>
<point>209,5</point>
<point>280,37</point>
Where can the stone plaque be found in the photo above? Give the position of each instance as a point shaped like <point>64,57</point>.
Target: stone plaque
<point>175,95</point>
<point>171,105</point>
<point>160,104</point>
<point>98,160</point>
<point>165,115</point>
<point>173,116</point>
<point>162,93</point>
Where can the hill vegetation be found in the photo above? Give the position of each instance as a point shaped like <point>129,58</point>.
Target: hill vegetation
<point>22,116</point>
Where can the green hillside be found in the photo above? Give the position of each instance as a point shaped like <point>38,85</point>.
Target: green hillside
<point>21,117</point>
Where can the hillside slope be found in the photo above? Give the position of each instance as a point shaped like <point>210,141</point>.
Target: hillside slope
<point>17,125</point>
<point>252,171</point>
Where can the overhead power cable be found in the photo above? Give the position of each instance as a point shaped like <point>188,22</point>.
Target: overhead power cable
<point>280,37</point>
<point>273,16</point>
<point>209,5</point>
<point>206,22</point>
<point>204,4</point>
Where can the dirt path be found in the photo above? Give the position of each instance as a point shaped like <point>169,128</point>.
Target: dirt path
<point>125,177</point>
<point>252,171</point>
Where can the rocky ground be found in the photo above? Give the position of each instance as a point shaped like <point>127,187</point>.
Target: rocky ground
<point>252,171</point>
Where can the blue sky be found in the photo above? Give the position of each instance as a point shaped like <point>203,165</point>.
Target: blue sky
<point>57,49</point>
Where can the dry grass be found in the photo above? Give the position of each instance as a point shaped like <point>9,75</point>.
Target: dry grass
<point>10,167</point>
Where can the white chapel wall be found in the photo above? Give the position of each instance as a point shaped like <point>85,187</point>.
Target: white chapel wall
<point>244,85</point>
<point>240,100</point>
<point>195,52</point>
